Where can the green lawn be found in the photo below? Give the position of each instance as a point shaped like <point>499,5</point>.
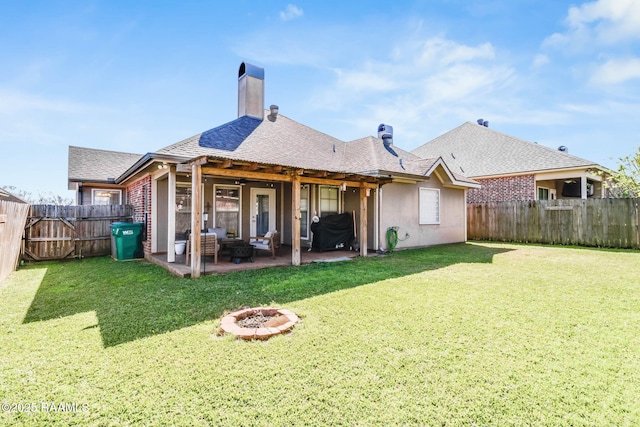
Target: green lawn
<point>468,335</point>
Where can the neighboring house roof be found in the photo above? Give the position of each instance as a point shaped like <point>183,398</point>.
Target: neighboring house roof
<point>478,151</point>
<point>93,165</point>
<point>8,196</point>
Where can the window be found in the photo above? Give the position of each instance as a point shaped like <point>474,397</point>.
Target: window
<point>329,197</point>
<point>183,197</point>
<point>429,206</point>
<point>546,193</point>
<point>183,206</point>
<point>106,197</point>
<point>304,212</point>
<point>227,209</point>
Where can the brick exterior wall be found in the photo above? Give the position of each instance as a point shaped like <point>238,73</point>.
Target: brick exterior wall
<point>139,195</point>
<point>518,188</point>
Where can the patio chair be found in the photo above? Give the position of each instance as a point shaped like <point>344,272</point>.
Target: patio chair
<point>208,246</point>
<point>269,242</point>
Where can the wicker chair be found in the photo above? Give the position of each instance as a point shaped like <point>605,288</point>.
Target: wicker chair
<point>208,246</point>
<point>269,242</point>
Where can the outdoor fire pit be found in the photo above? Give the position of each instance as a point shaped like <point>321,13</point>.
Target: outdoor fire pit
<point>240,251</point>
<point>258,323</point>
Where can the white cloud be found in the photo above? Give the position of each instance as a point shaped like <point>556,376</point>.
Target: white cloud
<point>540,60</point>
<point>446,52</point>
<point>604,22</point>
<point>291,12</point>
<point>616,71</point>
<point>364,81</point>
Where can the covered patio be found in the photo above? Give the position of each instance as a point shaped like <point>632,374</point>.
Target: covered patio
<point>260,260</point>
<point>285,183</point>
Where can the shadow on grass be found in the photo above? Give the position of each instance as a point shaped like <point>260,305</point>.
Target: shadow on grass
<point>133,300</point>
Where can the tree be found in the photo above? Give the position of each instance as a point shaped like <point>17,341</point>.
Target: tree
<point>625,181</point>
<point>42,198</point>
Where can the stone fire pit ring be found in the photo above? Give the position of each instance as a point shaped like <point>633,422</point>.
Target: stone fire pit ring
<point>281,321</point>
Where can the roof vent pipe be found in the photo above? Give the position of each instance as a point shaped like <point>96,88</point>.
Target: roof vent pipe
<point>563,148</point>
<point>274,113</point>
<point>485,124</point>
<point>480,121</point>
<point>385,132</point>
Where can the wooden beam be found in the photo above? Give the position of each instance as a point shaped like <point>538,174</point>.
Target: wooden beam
<point>251,167</point>
<point>225,164</point>
<point>337,176</point>
<point>295,224</point>
<point>233,173</point>
<point>196,219</point>
<point>266,176</point>
<point>320,174</point>
<point>182,168</point>
<point>337,183</point>
<point>273,169</point>
<point>199,161</point>
<point>364,193</point>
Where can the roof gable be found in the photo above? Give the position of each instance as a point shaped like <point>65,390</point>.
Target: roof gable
<point>475,151</point>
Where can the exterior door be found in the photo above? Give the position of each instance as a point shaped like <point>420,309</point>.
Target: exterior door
<point>263,211</point>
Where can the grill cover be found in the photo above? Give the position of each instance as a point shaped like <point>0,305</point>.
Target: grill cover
<point>333,232</point>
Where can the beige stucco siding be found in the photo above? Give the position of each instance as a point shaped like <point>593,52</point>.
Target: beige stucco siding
<point>400,208</point>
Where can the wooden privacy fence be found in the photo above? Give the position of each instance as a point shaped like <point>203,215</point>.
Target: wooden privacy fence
<point>59,232</point>
<point>12,219</point>
<point>610,223</point>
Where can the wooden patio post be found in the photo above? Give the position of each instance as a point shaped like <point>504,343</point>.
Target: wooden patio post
<point>364,193</point>
<point>171,215</point>
<point>295,224</point>
<point>196,219</point>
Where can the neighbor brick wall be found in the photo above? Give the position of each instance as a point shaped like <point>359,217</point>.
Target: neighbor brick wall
<point>139,195</point>
<point>520,188</point>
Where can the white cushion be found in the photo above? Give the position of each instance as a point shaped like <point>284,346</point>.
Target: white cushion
<point>266,241</point>
<point>259,245</point>
<point>220,232</point>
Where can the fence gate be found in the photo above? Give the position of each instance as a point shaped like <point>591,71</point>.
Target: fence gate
<point>49,238</point>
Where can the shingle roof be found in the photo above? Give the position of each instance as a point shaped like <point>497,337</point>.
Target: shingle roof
<point>282,142</point>
<point>89,164</point>
<point>478,151</point>
<point>288,143</point>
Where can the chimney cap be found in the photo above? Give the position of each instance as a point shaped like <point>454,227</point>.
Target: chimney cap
<point>251,70</point>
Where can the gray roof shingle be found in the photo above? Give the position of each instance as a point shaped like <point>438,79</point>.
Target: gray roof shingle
<point>477,151</point>
<point>90,164</point>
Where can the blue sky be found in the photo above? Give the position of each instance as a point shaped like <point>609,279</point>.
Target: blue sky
<point>136,76</point>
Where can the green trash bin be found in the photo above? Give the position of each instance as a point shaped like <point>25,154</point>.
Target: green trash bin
<point>126,240</point>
